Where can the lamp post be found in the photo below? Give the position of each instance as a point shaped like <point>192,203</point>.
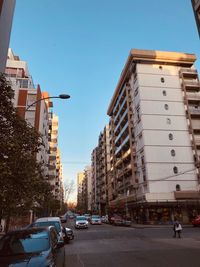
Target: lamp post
<point>61,96</point>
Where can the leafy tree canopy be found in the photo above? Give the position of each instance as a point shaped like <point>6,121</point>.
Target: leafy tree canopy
<point>22,185</point>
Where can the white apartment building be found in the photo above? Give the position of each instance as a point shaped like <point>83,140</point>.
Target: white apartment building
<point>6,16</point>
<point>25,95</point>
<point>155,112</point>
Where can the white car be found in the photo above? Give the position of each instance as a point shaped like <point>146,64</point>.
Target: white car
<point>95,219</point>
<point>81,222</point>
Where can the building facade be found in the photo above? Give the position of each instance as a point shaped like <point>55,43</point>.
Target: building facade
<point>155,129</point>
<point>80,200</point>
<point>196,9</point>
<point>6,16</point>
<point>39,115</point>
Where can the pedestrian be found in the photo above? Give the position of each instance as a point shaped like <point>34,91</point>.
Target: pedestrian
<point>177,229</point>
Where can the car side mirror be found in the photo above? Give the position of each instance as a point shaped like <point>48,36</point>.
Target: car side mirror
<point>60,244</point>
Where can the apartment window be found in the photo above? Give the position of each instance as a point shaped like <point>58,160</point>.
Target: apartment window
<point>175,169</point>
<point>173,153</point>
<point>166,107</point>
<point>170,136</point>
<point>178,187</point>
<point>164,92</point>
<point>168,121</point>
<point>162,80</point>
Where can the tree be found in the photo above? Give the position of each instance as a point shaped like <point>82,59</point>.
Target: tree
<point>22,184</point>
<point>69,188</point>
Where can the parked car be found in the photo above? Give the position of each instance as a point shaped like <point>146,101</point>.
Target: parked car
<point>196,221</point>
<point>104,219</point>
<point>81,222</point>
<point>50,221</point>
<point>63,218</point>
<point>32,247</point>
<point>120,221</point>
<point>95,219</point>
<point>113,218</point>
<point>87,216</point>
<point>68,234</point>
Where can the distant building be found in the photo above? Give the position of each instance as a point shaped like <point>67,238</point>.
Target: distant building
<point>155,137</point>
<point>196,9</point>
<point>6,16</point>
<point>80,178</point>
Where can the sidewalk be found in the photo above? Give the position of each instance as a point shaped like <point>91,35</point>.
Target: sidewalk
<point>142,226</point>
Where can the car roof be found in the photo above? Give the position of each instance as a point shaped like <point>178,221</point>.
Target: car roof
<point>30,230</point>
<point>48,219</point>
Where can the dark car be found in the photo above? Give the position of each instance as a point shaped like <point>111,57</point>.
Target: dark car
<point>68,234</point>
<point>63,218</point>
<point>120,221</point>
<point>196,221</point>
<point>31,247</point>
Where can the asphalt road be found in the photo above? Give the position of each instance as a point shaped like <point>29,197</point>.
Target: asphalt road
<point>114,246</point>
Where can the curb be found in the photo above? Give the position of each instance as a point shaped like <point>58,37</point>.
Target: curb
<point>143,226</point>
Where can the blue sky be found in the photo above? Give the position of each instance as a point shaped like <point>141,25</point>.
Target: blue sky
<point>79,47</point>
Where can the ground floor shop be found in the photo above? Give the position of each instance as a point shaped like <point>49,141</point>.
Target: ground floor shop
<point>158,212</point>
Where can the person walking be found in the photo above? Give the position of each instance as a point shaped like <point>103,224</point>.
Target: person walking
<point>177,228</point>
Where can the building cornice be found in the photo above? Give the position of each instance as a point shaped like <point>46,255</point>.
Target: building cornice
<point>150,57</point>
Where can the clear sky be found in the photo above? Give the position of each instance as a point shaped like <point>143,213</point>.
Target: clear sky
<point>79,47</point>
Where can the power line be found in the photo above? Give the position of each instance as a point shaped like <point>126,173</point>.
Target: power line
<point>171,176</point>
<point>74,162</point>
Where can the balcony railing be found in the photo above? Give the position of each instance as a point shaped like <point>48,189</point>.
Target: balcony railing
<point>193,96</point>
<point>122,144</point>
<point>188,70</point>
<point>189,84</point>
<point>194,111</point>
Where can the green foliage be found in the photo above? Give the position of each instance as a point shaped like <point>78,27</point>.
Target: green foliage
<point>22,185</point>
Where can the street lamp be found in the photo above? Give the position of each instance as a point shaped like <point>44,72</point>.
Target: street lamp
<point>61,96</point>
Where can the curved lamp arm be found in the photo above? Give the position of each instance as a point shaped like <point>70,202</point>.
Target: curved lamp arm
<point>62,96</point>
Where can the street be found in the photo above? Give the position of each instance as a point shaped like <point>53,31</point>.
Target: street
<point>107,245</point>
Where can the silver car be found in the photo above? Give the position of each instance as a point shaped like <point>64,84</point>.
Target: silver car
<point>95,219</point>
<point>81,222</point>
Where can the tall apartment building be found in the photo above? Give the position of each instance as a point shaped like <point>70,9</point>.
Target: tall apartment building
<point>55,171</point>
<point>26,93</point>
<point>88,179</point>
<point>94,205</point>
<point>155,137</point>
<point>196,9</point>
<point>39,115</point>
<point>6,16</point>
<point>102,167</point>
<point>80,178</point>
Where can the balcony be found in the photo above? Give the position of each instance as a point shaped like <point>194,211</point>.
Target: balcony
<point>126,140</point>
<point>187,73</point>
<point>122,132</point>
<point>192,85</point>
<point>195,112</point>
<point>193,96</point>
<point>197,141</point>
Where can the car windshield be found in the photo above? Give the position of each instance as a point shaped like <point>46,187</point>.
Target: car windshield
<point>24,243</point>
<point>95,217</point>
<point>80,218</point>
<point>48,223</point>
